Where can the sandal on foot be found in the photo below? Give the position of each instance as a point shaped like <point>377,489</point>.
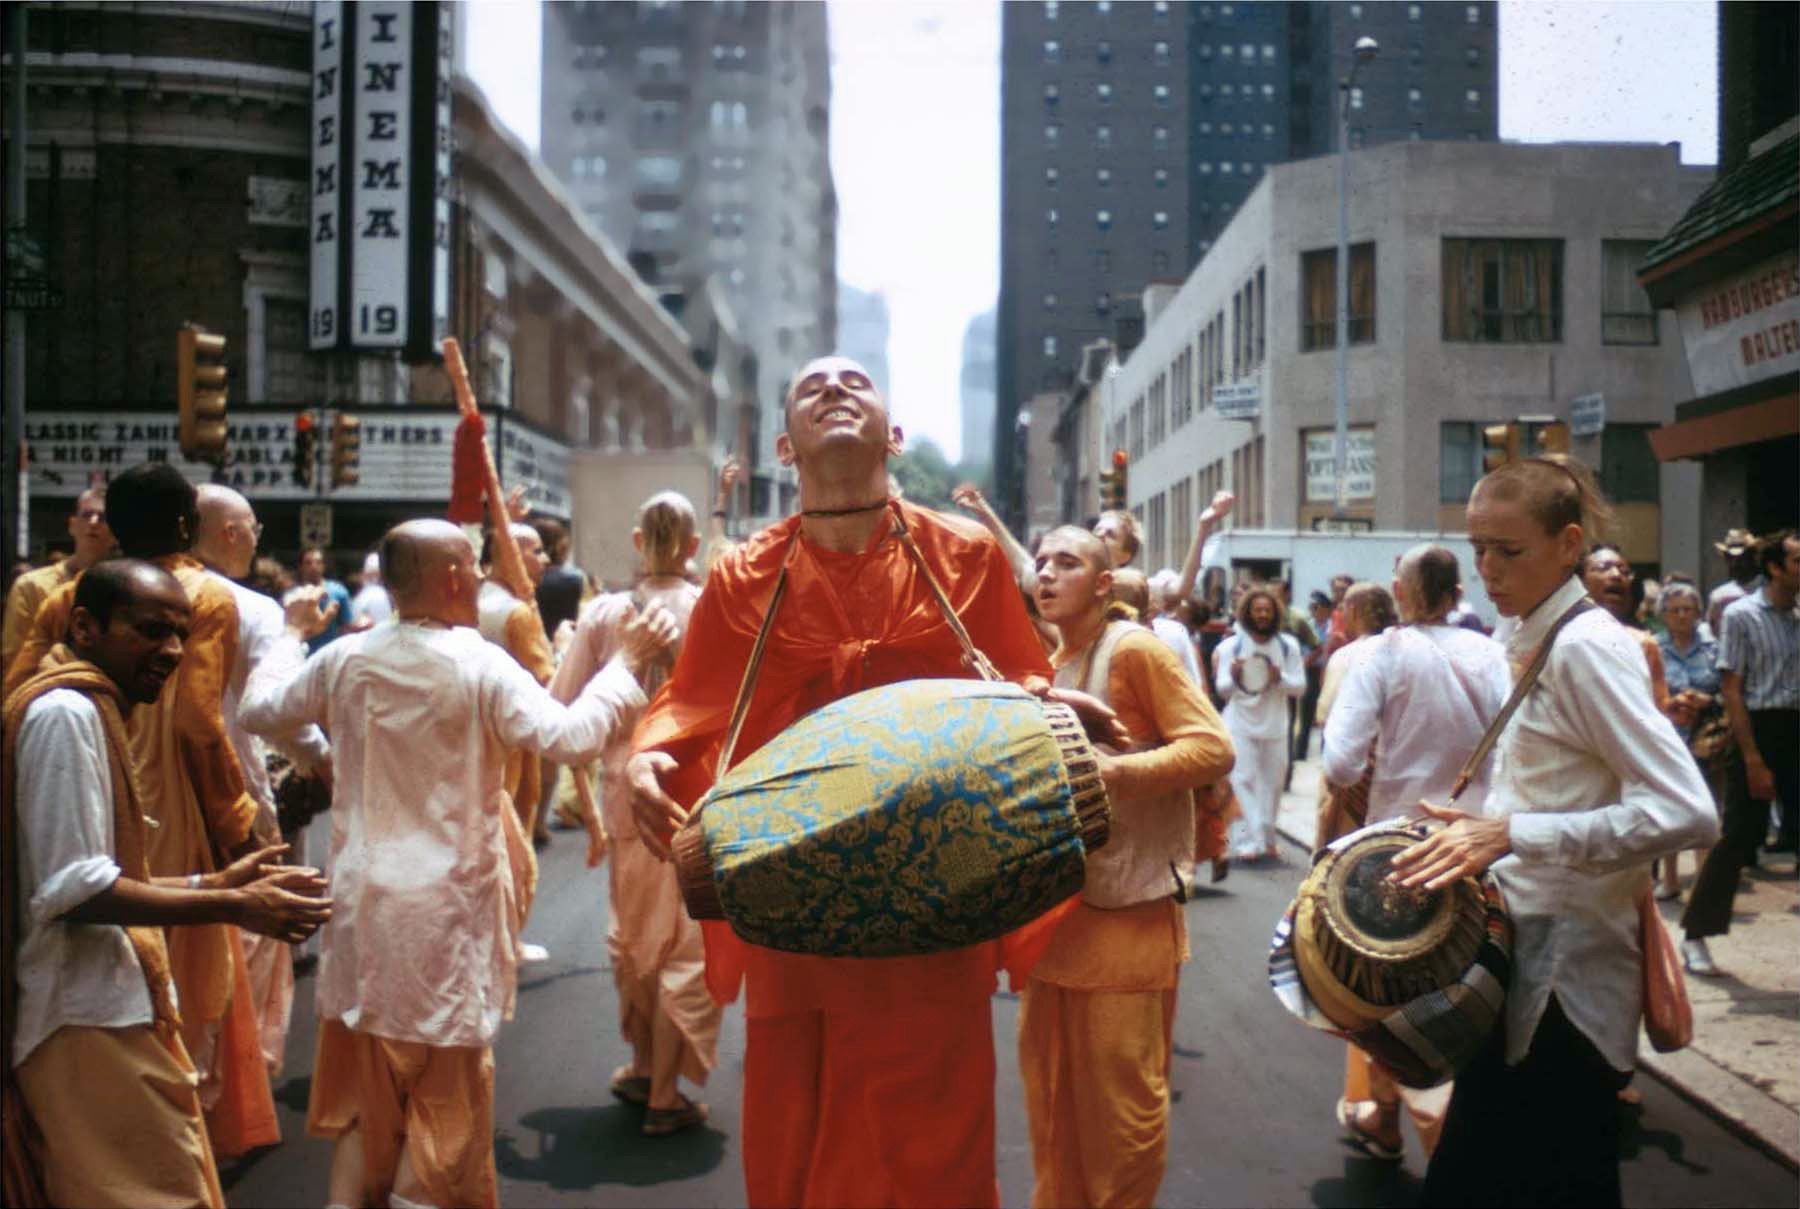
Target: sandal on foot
<point>659,1122</point>
<point>633,1089</point>
<point>1351,1117</point>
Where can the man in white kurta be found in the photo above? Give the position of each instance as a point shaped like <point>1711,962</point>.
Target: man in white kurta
<point>419,970</point>
<point>1256,716</point>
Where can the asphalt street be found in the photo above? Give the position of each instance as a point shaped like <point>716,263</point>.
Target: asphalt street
<point>1253,1090</point>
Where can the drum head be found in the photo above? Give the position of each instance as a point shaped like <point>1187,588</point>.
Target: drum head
<point>1373,915</point>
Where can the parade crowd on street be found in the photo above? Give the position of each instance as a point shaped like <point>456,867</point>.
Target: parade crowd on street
<point>178,708</point>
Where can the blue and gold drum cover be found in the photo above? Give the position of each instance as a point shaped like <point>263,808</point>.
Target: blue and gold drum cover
<point>912,818</point>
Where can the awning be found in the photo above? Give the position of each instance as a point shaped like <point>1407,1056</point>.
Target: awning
<point>1749,424</point>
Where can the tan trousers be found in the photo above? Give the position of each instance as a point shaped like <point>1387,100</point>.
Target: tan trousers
<point>434,1103</point>
<point>1095,1065</point>
<point>1367,1079</point>
<point>117,1112</point>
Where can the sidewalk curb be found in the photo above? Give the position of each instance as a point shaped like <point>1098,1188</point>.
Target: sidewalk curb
<point>1740,1106</point>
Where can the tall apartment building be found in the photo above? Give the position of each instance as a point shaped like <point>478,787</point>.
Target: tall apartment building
<point>1130,134</point>
<point>1264,88</point>
<point>697,137</point>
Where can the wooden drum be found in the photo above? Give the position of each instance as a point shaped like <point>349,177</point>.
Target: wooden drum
<point>912,818</point>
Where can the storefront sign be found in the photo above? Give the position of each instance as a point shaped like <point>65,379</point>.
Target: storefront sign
<point>1587,415</point>
<point>1744,328</point>
<point>1321,465</point>
<point>541,464</point>
<point>1238,401</point>
<point>323,322</point>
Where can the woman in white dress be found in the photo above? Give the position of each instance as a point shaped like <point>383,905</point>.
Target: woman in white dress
<point>1590,783</point>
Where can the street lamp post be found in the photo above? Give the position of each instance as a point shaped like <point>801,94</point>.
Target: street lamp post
<point>1366,49</point>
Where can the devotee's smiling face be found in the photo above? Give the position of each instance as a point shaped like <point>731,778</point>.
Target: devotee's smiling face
<point>834,403</point>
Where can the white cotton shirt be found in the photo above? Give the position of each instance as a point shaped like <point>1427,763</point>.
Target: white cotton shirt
<point>1258,715</point>
<point>68,973</point>
<point>1597,784</point>
<point>422,718</point>
<point>261,624</point>
<point>1422,696</point>
<point>1175,636</point>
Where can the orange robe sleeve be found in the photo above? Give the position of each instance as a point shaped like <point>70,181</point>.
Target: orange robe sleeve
<point>527,643</point>
<point>47,628</point>
<point>1181,740</point>
<point>207,756</point>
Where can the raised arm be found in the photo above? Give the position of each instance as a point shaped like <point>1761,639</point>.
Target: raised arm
<point>1208,521</point>
<point>969,496</point>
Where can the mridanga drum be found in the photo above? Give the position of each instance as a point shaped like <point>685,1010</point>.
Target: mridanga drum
<point>1415,977</point>
<point>907,819</point>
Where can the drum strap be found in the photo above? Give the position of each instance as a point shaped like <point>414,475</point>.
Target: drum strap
<point>1527,678</point>
<point>978,662</point>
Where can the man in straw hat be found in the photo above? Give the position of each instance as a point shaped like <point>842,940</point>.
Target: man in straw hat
<point>866,1081</point>
<point>1739,552</point>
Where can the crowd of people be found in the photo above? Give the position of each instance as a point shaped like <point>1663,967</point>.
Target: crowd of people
<point>463,691</point>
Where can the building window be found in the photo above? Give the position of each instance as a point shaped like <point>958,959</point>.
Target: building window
<point>1227,50</point>
<point>1472,14</point>
<point>1159,137</point>
<point>1206,51</point>
<point>1050,301</point>
<point>1103,7</point>
<point>1160,94</point>
<point>1204,167</point>
<point>1160,52</point>
<point>1415,55</point>
<point>1268,91</point>
<point>1268,52</point>
<point>1356,12</point>
<point>1629,471</point>
<point>1415,97</point>
<point>1249,54</point>
<point>1161,178</point>
<point>1473,56</point>
<point>1103,177</point>
<point>1416,133</point>
<point>1050,10</point>
<point>1459,461</point>
<point>1103,261</point>
<point>1626,315</point>
<point>1051,177</point>
<point>1052,94</point>
<point>1103,136</point>
<point>1227,129</point>
<point>1103,92</point>
<point>1049,347</point>
<point>1160,9</point>
<point>1414,13</point>
<point>1052,50</point>
<point>1102,303</point>
<point>1227,91</point>
<point>1050,216</point>
<point>1135,445</point>
<point>1159,262</point>
<point>1103,52</point>
<point>1268,130</point>
<point>1160,220</point>
<point>1103,219</point>
<point>1503,291</point>
<point>1052,134</point>
<point>1356,98</point>
<point>1472,98</point>
<point>1318,297</point>
<point>1226,167</point>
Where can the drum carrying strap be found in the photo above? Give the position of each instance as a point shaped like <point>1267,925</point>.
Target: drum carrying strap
<point>1527,678</point>
<point>740,710</point>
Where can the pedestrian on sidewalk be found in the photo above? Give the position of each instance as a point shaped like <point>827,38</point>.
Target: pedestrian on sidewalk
<point>1591,783</point>
<point>1257,670</point>
<point>1367,611</point>
<point>1406,718</point>
<point>1759,679</point>
<point>1690,665</point>
<point>1098,1013</point>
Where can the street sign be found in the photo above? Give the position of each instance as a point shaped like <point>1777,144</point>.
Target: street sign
<point>315,526</point>
<point>1342,524</point>
<point>1587,415</point>
<point>1238,401</point>
<point>23,295</point>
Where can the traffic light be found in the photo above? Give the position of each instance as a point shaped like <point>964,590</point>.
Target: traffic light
<point>1545,436</point>
<point>306,449</point>
<point>1112,482</point>
<point>1500,445</point>
<point>201,396</point>
<point>346,450</point>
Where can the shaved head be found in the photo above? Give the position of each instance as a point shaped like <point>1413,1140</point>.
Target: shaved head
<point>414,551</point>
<point>832,364</point>
<point>1084,543</point>
<point>219,505</point>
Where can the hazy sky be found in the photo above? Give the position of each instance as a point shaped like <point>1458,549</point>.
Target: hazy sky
<point>915,138</point>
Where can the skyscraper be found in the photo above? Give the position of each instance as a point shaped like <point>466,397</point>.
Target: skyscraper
<point>697,137</point>
<point>1130,133</point>
<point>978,390</point>
<point>863,331</point>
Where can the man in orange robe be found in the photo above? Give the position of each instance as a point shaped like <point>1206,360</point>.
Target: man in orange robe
<point>866,1081</point>
<point>193,789</point>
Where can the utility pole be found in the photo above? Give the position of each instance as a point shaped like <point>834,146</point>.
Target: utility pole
<point>15,543</point>
<point>1364,50</point>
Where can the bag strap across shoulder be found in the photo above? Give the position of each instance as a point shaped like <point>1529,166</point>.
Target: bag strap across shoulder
<point>1527,678</point>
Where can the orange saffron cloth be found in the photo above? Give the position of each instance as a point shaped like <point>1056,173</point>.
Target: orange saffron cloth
<point>866,1080</point>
